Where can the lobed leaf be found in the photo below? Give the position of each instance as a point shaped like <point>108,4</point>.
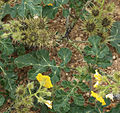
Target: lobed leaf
<point>115,36</point>
<point>6,46</point>
<point>2,100</point>
<point>97,54</point>
<point>41,63</point>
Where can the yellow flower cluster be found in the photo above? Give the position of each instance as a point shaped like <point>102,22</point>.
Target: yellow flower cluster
<point>44,80</point>
<point>98,78</point>
<point>99,98</point>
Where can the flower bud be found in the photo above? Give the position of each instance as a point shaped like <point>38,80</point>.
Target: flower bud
<point>48,93</point>
<point>30,85</point>
<point>41,100</point>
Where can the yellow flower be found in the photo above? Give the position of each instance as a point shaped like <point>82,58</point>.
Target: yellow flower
<point>44,80</point>
<point>49,103</point>
<point>99,98</point>
<point>96,84</point>
<point>97,76</point>
<point>50,4</point>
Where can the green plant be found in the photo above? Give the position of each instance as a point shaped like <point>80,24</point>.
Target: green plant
<point>7,76</point>
<point>31,32</point>
<point>97,53</point>
<point>25,95</point>
<point>70,92</point>
<point>28,30</point>
<point>41,63</point>
<point>115,35</point>
<point>99,19</point>
<point>112,84</point>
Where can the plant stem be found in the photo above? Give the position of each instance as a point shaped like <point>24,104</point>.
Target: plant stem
<point>3,71</point>
<point>75,46</point>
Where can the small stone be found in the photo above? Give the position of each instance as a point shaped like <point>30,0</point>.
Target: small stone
<point>109,67</point>
<point>68,78</point>
<point>21,82</point>
<point>78,39</point>
<point>114,57</point>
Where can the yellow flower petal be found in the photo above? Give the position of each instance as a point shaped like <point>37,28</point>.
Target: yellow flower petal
<point>99,98</point>
<point>49,104</point>
<point>44,80</point>
<point>50,4</point>
<point>96,84</point>
<point>97,76</point>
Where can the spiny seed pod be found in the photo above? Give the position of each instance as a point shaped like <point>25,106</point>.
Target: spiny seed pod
<point>95,12</point>
<point>32,32</point>
<point>116,76</point>
<point>106,22</point>
<point>110,7</point>
<point>90,27</point>
<point>20,91</point>
<point>103,34</point>
<point>28,101</point>
<point>38,23</point>
<point>36,38</point>
<point>30,85</point>
<point>20,107</point>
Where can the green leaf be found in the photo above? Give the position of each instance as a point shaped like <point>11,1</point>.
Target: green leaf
<point>62,2</point>
<point>41,63</point>
<point>20,49</point>
<point>46,2</point>
<point>65,12</point>
<point>65,54</point>
<point>66,84</point>
<point>10,83</point>
<point>78,99</point>
<point>6,10</point>
<point>97,54</point>
<point>115,36</point>
<point>39,60</point>
<point>49,12</point>
<point>44,109</point>
<point>62,98</point>
<point>83,87</point>
<point>81,109</point>
<point>26,8</point>
<point>55,75</point>
<point>61,102</point>
<point>2,99</point>
<point>6,46</point>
